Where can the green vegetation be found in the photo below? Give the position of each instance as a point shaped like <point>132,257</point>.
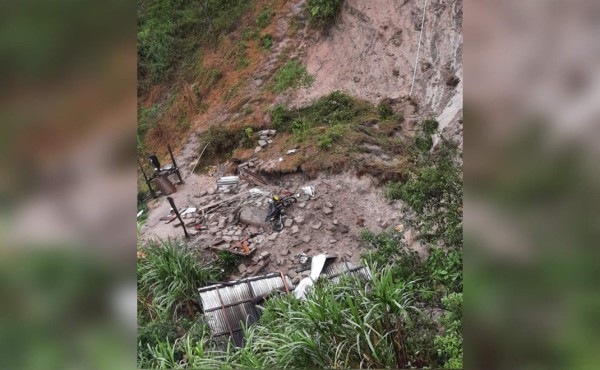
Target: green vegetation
<point>171,31</point>
<point>292,75</point>
<point>266,41</point>
<point>323,12</point>
<point>170,275</point>
<point>434,191</point>
<point>385,110</point>
<point>264,17</point>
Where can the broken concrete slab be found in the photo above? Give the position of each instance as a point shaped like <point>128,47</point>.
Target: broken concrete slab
<point>295,229</point>
<point>252,215</point>
<point>288,222</point>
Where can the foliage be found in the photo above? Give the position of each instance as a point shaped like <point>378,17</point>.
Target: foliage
<point>434,192</point>
<point>430,125</point>
<point>222,140</point>
<point>450,344</point>
<point>292,75</point>
<point>385,110</point>
<point>171,31</point>
<point>168,277</point>
<point>264,17</point>
<point>247,140</point>
<point>353,324</point>
<point>266,41</point>
<point>147,119</point>
<point>228,261</point>
<point>323,12</point>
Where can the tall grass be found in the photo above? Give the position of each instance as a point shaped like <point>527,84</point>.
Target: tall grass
<point>353,324</point>
<point>169,276</point>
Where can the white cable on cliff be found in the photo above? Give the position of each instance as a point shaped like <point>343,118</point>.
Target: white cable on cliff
<point>418,47</point>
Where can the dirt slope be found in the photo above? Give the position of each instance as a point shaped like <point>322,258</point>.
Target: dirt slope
<point>370,53</point>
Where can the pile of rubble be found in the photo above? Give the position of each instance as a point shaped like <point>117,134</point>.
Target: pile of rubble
<point>265,137</point>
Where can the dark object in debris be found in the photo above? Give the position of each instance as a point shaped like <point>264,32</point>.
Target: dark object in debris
<point>167,170</point>
<point>178,216</point>
<point>252,177</point>
<point>163,184</point>
<point>147,180</point>
<point>277,211</point>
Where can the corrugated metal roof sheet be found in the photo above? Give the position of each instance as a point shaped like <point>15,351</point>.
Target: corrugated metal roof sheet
<point>227,307</point>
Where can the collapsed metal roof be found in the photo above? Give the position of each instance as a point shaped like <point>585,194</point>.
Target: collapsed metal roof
<point>228,307</point>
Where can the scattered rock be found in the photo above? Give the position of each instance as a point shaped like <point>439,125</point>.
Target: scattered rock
<point>360,221</point>
<point>327,210</point>
<point>257,149</point>
<point>333,241</point>
<point>305,238</point>
<point>295,229</point>
<point>299,219</point>
<point>252,215</point>
<point>264,255</point>
<point>222,222</point>
<point>328,205</point>
<point>335,222</point>
<point>399,228</point>
<point>213,230</point>
<point>235,238</point>
<point>344,229</point>
<point>356,79</point>
<point>288,222</point>
<point>272,236</point>
<point>227,238</point>
<point>292,274</point>
<point>285,252</point>
<point>242,268</point>
<point>301,205</point>
<point>316,225</point>
<point>262,143</point>
<point>270,141</point>
<point>384,224</point>
<point>238,233</point>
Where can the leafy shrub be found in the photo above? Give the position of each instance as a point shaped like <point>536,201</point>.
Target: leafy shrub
<point>323,12</point>
<point>450,344</point>
<point>434,191</point>
<point>300,129</point>
<point>228,261</point>
<point>266,41</point>
<point>292,75</point>
<point>423,142</point>
<point>430,125</point>
<point>280,116</point>
<point>264,17</point>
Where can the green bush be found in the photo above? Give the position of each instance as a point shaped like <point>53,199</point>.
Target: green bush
<point>300,129</point>
<point>280,116</point>
<point>323,12</point>
<point>266,41</point>
<point>264,17</point>
<point>450,344</point>
<point>430,125</point>
<point>292,75</point>
<point>222,140</point>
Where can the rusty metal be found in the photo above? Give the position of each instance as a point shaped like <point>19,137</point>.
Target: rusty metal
<point>224,312</point>
<point>175,168</point>
<point>252,177</point>
<point>148,182</point>
<point>287,290</point>
<point>178,216</point>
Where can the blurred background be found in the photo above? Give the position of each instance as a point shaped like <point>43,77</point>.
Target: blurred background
<point>68,230</point>
<point>68,180</point>
<point>531,207</point>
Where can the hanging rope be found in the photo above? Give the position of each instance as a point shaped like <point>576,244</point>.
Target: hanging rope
<point>418,47</point>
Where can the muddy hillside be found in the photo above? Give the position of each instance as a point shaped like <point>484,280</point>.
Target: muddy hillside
<point>331,136</point>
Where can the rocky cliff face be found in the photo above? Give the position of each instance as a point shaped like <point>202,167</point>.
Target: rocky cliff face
<point>370,53</point>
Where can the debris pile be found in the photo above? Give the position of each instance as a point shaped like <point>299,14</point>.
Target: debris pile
<point>265,137</point>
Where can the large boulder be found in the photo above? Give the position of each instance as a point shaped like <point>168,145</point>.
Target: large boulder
<point>254,216</point>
